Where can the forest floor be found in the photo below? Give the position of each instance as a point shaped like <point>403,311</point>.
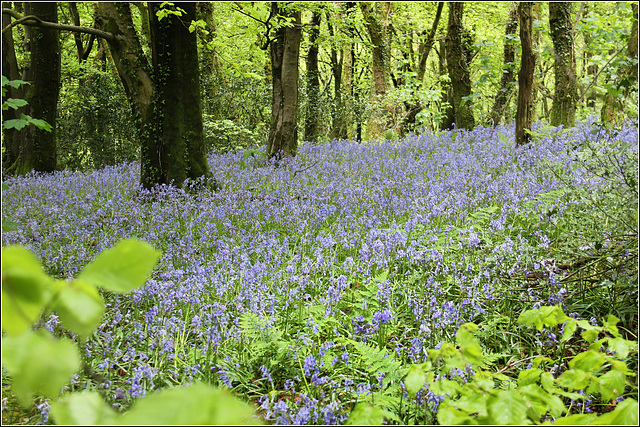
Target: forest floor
<point>336,277</point>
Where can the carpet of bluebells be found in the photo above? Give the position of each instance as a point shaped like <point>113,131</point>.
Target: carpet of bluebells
<point>310,285</point>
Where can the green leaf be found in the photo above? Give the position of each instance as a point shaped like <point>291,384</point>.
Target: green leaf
<point>543,401</point>
<point>123,267</point>
<point>546,316</point>
<point>529,376</point>
<point>445,386</point>
<point>621,346</point>
<point>366,414</point>
<point>508,407</point>
<point>575,419</point>
<point>547,381</point>
<point>80,307</point>
<point>612,385</point>
<point>14,124</point>
<point>589,361</point>
<point>415,379</point>
<point>14,103</point>
<point>39,363</point>
<point>9,225</point>
<point>85,409</point>
<point>574,379</point>
<point>195,404</point>
<point>25,289</point>
<point>449,415</point>
<point>569,330</point>
<point>626,413</point>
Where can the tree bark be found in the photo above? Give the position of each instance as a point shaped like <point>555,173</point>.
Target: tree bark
<point>10,70</point>
<point>426,45</point>
<point>457,62</point>
<point>178,109</point>
<point>376,16</point>
<point>284,49</point>
<point>348,60</point>
<point>563,111</point>
<point>524,111</point>
<point>508,75</point>
<point>311,123</point>
<point>37,146</point>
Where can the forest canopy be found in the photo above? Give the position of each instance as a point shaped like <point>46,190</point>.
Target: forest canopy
<point>357,71</point>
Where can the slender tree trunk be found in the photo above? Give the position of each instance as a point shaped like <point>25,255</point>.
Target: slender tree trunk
<point>457,62</point>
<point>338,126</point>
<point>424,50</point>
<point>524,112</point>
<point>311,123</point>
<point>178,111</point>
<point>563,111</point>
<point>285,48</point>
<point>11,137</point>
<point>38,147</point>
<point>348,55</point>
<point>376,16</point>
<point>508,76</point>
<point>426,45</point>
<point>447,102</point>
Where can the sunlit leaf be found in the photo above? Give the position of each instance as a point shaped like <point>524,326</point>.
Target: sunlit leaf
<point>39,363</point>
<point>123,267</point>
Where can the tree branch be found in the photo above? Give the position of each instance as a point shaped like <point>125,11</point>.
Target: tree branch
<point>34,21</point>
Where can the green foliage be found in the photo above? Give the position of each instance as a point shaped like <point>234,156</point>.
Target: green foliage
<point>485,397</point>
<point>41,364</point>
<point>225,135</point>
<point>25,119</point>
<point>94,126</point>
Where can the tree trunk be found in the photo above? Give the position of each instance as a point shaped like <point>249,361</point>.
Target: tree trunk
<point>426,45</point>
<point>447,103</point>
<point>311,123</point>
<point>424,50</point>
<point>178,110</point>
<point>285,48</point>
<point>376,16</point>
<point>172,149</point>
<point>457,63</point>
<point>348,59</point>
<point>563,111</point>
<point>11,137</point>
<point>135,73</point>
<point>338,126</point>
<point>37,146</point>
<point>508,76</point>
<point>524,112</point>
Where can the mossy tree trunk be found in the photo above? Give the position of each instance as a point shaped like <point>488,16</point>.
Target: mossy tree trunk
<point>284,49</point>
<point>376,16</point>
<point>508,75</point>
<point>524,112</point>
<point>37,146</point>
<point>311,123</point>
<point>457,63</point>
<point>563,111</point>
<point>178,113</point>
<point>165,98</point>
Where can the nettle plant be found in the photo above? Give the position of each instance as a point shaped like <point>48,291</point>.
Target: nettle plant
<point>474,395</point>
<point>42,364</point>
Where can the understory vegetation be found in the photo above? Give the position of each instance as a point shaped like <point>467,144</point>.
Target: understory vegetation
<point>447,277</point>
